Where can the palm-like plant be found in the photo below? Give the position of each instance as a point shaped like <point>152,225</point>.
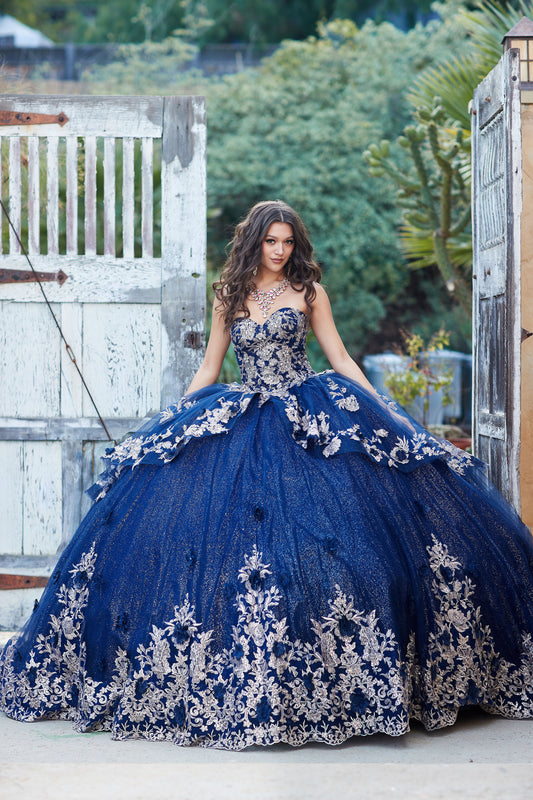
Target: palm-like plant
<point>435,194</point>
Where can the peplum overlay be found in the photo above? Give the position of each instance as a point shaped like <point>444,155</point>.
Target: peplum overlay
<point>325,413</point>
<point>287,559</point>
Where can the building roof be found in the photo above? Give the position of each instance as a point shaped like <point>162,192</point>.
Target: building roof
<point>522,28</point>
<point>22,35</point>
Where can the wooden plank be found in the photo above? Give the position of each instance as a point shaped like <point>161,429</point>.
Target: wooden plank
<point>72,458</point>
<point>52,196</point>
<point>92,467</point>
<point>42,497</point>
<point>27,565</point>
<point>128,197</point>
<point>147,197</point>
<point>109,197</point>
<point>8,581</point>
<point>34,197</point>
<point>513,317</point>
<point>183,233</point>
<point>496,144</point>
<point>90,195</point>
<point>526,355</point>
<point>14,194</point>
<point>66,428</point>
<point>492,425</point>
<point>88,116</point>
<point>30,382</point>
<point>92,279</point>
<point>71,388</point>
<point>11,496</point>
<point>3,172</point>
<point>121,358</point>
<point>72,195</point>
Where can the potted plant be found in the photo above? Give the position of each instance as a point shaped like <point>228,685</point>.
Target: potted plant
<point>413,383</point>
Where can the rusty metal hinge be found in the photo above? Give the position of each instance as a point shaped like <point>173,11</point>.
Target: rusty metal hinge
<point>28,276</point>
<point>29,118</point>
<point>193,339</point>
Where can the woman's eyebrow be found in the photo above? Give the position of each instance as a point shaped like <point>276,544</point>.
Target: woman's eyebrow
<point>270,236</point>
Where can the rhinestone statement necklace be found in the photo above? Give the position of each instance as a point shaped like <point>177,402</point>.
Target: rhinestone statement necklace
<point>265,299</point>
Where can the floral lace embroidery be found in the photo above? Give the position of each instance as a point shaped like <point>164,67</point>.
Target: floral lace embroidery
<point>272,356</point>
<point>164,445</point>
<point>342,397</point>
<point>49,683</point>
<point>351,679</point>
<point>315,430</point>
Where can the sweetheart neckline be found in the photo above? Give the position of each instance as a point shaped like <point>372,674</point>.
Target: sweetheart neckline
<point>262,324</point>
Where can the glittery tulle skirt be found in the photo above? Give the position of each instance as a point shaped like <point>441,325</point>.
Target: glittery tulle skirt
<point>251,590</point>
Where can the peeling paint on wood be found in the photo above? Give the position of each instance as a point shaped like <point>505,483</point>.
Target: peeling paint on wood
<point>91,279</point>
<point>121,356</point>
<point>29,360</point>
<point>496,141</point>
<point>89,116</point>
<point>183,298</point>
<point>42,515</point>
<point>65,429</point>
<point>136,323</point>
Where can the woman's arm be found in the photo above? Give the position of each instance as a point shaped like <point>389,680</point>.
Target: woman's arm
<point>331,343</point>
<point>217,347</point>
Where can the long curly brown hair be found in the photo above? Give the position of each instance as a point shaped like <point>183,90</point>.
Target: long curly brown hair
<point>245,254</point>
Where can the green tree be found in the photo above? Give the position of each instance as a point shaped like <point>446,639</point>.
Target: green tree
<point>297,129</point>
<point>273,21</point>
<point>248,21</point>
<point>434,193</point>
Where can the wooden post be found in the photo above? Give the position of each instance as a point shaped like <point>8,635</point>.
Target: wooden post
<point>183,230</point>
<point>496,208</point>
<point>526,394</point>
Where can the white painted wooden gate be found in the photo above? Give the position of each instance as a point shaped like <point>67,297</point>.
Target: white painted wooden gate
<point>114,197</point>
<point>497,200</point>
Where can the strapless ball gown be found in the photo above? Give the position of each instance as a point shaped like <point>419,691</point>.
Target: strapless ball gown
<point>288,559</point>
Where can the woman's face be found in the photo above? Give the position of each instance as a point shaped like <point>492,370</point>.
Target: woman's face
<point>277,247</point>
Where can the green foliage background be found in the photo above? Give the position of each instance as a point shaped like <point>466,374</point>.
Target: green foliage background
<point>251,21</point>
<point>296,128</point>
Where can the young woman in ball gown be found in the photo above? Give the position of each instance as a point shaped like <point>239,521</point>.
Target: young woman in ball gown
<point>287,559</point>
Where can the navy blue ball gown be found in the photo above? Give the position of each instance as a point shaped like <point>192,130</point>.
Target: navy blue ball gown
<point>290,559</point>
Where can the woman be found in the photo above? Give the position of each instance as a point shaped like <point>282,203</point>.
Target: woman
<point>288,559</point>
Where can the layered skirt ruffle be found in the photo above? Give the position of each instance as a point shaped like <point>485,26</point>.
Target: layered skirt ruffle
<point>263,569</point>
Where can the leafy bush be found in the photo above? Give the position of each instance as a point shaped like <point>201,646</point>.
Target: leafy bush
<point>417,379</point>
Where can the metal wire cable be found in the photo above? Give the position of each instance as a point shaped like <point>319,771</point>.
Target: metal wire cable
<point>68,348</point>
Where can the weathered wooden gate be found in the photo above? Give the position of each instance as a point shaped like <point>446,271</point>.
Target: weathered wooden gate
<point>109,192</point>
<point>497,201</point>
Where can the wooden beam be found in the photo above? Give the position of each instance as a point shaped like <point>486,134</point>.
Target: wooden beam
<point>66,428</point>
<point>22,581</point>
